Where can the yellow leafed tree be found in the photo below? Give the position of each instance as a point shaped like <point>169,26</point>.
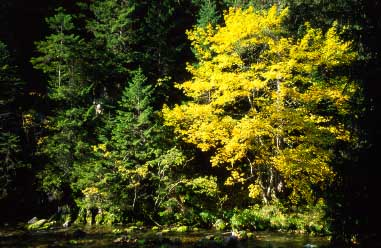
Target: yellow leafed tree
<point>266,105</point>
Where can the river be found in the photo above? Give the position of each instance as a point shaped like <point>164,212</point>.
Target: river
<point>99,237</point>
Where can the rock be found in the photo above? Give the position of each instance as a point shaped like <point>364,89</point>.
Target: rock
<point>66,224</point>
<point>36,225</point>
<point>33,220</point>
<point>209,237</point>
<point>240,235</point>
<point>48,224</point>
<point>309,246</point>
<point>121,239</point>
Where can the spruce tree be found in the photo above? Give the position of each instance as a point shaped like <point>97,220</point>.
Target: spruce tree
<point>132,136</point>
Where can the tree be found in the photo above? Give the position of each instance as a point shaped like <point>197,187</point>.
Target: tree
<point>10,122</point>
<point>120,172</point>
<point>133,34</point>
<point>208,13</point>
<point>267,107</point>
<point>71,116</point>
<point>134,123</point>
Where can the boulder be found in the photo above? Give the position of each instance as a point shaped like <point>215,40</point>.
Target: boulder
<point>309,246</point>
<point>37,225</point>
<point>66,224</point>
<point>33,220</point>
<point>121,239</point>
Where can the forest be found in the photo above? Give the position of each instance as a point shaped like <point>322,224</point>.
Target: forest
<point>218,114</point>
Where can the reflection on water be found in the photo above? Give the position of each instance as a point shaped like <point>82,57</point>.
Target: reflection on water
<point>278,240</point>
<point>104,237</point>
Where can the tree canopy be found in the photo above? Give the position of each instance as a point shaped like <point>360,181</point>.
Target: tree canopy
<point>257,98</point>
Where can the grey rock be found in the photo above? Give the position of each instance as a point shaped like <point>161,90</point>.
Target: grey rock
<point>33,220</point>
<point>66,224</point>
<point>310,246</point>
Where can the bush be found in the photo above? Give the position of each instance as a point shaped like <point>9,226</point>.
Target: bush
<point>274,217</point>
<point>207,218</point>
<point>220,225</point>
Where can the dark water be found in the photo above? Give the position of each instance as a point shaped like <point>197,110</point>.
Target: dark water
<point>104,237</point>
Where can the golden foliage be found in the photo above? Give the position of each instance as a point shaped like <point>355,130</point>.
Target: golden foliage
<point>255,95</point>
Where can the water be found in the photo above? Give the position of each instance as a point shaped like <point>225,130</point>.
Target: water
<point>279,240</point>
<point>104,237</point>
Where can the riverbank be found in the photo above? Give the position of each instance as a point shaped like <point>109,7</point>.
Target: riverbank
<point>98,237</point>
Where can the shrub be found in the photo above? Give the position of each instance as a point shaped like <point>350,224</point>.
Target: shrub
<point>275,217</point>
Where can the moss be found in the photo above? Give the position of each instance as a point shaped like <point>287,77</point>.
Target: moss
<point>36,225</point>
<point>117,231</point>
<point>42,224</point>
<point>48,225</point>
<point>131,229</point>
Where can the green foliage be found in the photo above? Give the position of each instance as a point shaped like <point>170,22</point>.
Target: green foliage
<point>220,225</point>
<point>132,144</point>
<point>207,218</point>
<point>10,148</point>
<point>9,155</point>
<point>112,27</point>
<point>208,13</point>
<point>65,143</point>
<point>135,34</point>
<point>61,58</point>
<point>134,126</point>
<point>274,217</point>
